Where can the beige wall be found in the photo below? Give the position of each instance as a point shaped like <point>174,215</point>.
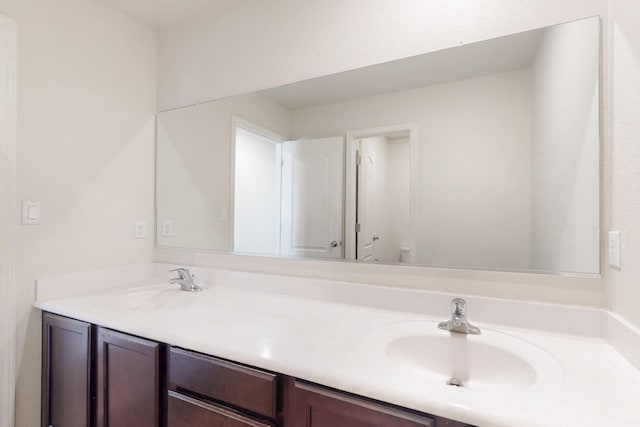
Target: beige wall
<point>623,191</point>
<point>86,102</point>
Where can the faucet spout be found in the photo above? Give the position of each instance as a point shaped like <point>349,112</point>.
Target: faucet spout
<point>185,279</point>
<point>458,322</point>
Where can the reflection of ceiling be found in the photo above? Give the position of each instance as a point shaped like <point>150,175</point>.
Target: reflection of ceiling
<point>162,14</point>
<point>503,54</point>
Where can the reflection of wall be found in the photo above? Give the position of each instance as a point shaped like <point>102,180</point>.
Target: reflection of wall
<point>194,154</point>
<point>257,194</point>
<point>472,190</point>
<point>565,150</point>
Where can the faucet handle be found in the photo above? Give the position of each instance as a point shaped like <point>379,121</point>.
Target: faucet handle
<point>458,307</point>
<point>183,273</point>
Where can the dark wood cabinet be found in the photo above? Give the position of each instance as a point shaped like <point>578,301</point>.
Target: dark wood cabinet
<point>67,387</point>
<point>321,407</point>
<point>129,381</point>
<point>93,376</point>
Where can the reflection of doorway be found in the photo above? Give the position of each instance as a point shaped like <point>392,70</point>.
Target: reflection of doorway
<point>257,194</point>
<point>379,194</point>
<point>287,195</point>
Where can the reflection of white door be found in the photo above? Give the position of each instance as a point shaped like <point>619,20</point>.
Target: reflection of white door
<point>312,192</point>
<point>366,192</point>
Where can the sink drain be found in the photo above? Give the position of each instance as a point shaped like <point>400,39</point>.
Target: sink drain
<point>455,382</point>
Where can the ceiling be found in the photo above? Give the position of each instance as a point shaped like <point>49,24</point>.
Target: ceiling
<point>163,14</point>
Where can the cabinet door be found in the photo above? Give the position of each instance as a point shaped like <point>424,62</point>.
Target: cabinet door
<point>66,372</point>
<point>184,411</point>
<point>129,381</point>
<point>319,407</point>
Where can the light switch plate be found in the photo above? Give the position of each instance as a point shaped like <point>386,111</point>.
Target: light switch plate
<point>31,212</point>
<point>141,229</point>
<point>615,249</point>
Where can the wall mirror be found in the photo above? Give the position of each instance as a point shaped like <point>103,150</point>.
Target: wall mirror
<point>483,156</point>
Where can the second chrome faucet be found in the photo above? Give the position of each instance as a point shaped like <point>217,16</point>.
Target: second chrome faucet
<point>185,280</point>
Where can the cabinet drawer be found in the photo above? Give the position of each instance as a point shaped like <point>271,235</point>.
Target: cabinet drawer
<point>236,385</point>
<point>321,407</point>
<point>184,411</point>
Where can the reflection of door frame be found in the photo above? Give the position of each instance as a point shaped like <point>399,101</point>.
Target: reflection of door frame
<point>8,205</point>
<point>353,136</point>
<point>238,122</point>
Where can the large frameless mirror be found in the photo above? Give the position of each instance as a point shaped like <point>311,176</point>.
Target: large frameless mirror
<point>483,156</point>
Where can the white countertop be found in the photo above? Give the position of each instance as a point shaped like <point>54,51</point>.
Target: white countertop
<point>323,334</point>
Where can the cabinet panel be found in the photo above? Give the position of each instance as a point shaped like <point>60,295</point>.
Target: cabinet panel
<point>320,407</point>
<point>66,372</point>
<point>240,386</point>
<point>184,411</point>
<point>129,381</point>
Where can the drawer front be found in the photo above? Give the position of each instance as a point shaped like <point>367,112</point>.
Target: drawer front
<point>184,411</point>
<point>321,407</point>
<point>242,387</point>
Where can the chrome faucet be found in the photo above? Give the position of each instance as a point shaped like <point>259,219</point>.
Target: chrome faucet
<point>458,322</point>
<point>185,279</point>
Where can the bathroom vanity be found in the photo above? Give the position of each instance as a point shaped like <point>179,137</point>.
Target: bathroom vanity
<point>266,350</point>
<point>95,376</point>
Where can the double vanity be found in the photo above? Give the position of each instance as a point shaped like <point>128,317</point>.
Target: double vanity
<point>263,350</point>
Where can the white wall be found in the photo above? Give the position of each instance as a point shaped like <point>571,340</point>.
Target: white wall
<point>565,150</point>
<point>294,40</point>
<point>86,102</point>
<point>194,156</point>
<point>623,191</point>
<point>473,157</point>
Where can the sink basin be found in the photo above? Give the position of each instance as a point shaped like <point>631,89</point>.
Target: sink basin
<point>146,298</point>
<point>419,353</point>
<point>472,363</point>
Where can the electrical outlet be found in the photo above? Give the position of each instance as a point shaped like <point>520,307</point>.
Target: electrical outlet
<point>167,228</point>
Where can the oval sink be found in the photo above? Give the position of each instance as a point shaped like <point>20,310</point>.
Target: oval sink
<point>419,354</point>
<point>470,363</point>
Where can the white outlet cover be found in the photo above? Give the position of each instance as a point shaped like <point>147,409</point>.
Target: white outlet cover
<point>167,228</point>
<point>615,249</point>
